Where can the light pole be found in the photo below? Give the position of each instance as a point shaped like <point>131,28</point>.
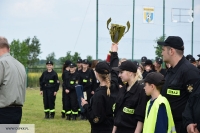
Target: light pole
<point>133,30</point>
<point>97,29</point>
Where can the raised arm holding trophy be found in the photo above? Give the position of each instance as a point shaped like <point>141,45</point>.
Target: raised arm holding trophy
<point>116,33</point>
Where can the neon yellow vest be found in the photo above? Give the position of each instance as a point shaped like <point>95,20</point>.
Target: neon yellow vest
<point>150,121</point>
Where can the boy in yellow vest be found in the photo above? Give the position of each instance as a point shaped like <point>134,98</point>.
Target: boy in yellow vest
<point>158,116</point>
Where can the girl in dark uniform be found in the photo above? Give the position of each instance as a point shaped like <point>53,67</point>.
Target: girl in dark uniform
<point>64,78</point>
<point>129,111</point>
<point>99,111</point>
<point>71,97</point>
<point>148,67</point>
<point>49,85</point>
<point>85,79</point>
<point>158,66</point>
<point>95,82</point>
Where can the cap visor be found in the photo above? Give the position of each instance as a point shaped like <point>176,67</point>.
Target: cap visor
<point>161,43</point>
<point>117,69</point>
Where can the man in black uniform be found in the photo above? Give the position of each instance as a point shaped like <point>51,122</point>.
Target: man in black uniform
<point>191,114</point>
<point>49,85</point>
<point>179,78</point>
<point>158,66</point>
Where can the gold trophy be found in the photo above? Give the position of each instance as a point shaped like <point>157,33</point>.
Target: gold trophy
<point>117,31</point>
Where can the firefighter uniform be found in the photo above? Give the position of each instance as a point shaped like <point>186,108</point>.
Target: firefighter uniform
<point>179,82</point>
<point>160,61</point>
<point>99,111</point>
<point>129,108</point>
<point>64,78</point>
<point>71,97</point>
<point>85,79</point>
<point>177,88</point>
<point>49,84</point>
<point>191,113</point>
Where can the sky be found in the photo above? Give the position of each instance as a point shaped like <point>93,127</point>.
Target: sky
<point>70,25</point>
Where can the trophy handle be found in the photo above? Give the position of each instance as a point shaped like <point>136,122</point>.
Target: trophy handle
<point>108,22</point>
<point>128,25</point>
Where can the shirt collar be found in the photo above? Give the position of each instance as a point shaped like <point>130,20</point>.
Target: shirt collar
<point>6,54</point>
<point>174,69</point>
<point>133,88</point>
<point>101,88</point>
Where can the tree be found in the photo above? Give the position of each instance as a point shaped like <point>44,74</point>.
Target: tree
<point>75,57</point>
<point>72,58</point>
<point>51,57</point>
<point>158,48</point>
<point>89,58</point>
<point>20,51</point>
<point>67,57</point>
<point>34,50</point>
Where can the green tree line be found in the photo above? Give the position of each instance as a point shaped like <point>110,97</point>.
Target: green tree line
<point>28,51</point>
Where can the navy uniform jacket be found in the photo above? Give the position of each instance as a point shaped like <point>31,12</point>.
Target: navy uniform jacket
<point>72,81</point>
<point>65,76</point>
<point>177,83</point>
<point>130,107</point>
<point>191,114</point>
<point>100,112</point>
<point>49,80</point>
<point>85,79</point>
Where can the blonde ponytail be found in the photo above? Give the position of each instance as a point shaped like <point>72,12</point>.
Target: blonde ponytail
<point>106,78</point>
<point>140,77</point>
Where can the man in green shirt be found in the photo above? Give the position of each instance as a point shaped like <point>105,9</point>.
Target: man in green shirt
<point>12,86</point>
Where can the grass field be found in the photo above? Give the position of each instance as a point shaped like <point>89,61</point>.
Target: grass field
<point>33,113</point>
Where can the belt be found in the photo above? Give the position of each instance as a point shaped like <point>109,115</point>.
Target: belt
<point>14,105</point>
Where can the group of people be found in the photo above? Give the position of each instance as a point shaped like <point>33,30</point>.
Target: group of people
<point>122,96</point>
<point>118,96</point>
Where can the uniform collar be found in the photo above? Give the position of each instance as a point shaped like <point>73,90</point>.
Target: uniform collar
<point>133,88</point>
<point>178,65</point>
<point>101,88</point>
<point>6,54</point>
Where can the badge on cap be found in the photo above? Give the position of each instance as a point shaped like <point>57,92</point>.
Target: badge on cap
<point>96,120</point>
<point>106,71</point>
<point>190,88</point>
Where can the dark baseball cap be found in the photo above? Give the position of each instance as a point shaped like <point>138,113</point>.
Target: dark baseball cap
<point>67,63</point>
<point>155,78</point>
<point>49,62</point>
<point>143,59</point>
<point>72,65</point>
<point>85,61</point>
<point>189,56</point>
<point>148,62</point>
<point>192,60</point>
<point>126,66</point>
<point>136,63</point>
<point>174,42</point>
<point>79,61</point>
<point>199,57</point>
<point>159,60</point>
<point>102,68</point>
